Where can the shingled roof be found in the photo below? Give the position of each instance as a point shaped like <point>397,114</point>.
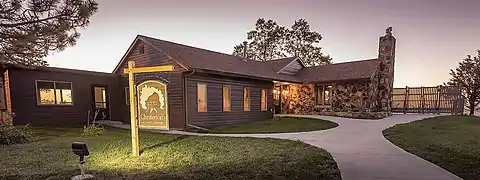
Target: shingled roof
<point>202,59</point>
<point>196,58</point>
<point>339,71</point>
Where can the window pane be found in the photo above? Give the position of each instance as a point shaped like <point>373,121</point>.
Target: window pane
<point>99,94</point>
<point>319,95</point>
<point>46,92</point>
<point>264,100</point>
<point>202,97</point>
<point>226,98</point>
<point>45,85</point>
<point>59,85</point>
<point>47,96</point>
<point>66,96</point>
<point>127,96</point>
<point>246,99</point>
<point>327,94</point>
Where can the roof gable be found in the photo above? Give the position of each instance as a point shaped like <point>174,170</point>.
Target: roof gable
<point>292,67</point>
<point>131,49</point>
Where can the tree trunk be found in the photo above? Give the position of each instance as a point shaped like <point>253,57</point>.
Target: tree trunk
<point>472,110</point>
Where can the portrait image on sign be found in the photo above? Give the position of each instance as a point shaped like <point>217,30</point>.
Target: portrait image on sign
<point>152,105</point>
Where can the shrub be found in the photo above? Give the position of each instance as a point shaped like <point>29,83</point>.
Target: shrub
<point>10,134</point>
<point>93,130</point>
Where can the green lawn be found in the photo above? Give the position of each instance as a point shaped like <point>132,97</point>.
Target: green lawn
<point>278,125</point>
<point>452,142</point>
<point>165,157</point>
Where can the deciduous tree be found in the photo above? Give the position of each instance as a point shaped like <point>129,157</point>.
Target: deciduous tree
<point>31,29</point>
<point>302,42</point>
<point>270,41</point>
<point>467,76</point>
<point>266,41</point>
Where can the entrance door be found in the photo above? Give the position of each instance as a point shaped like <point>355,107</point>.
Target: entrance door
<point>100,104</point>
<point>277,99</point>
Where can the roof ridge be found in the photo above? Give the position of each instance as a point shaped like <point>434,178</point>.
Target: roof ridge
<point>178,44</point>
<point>347,62</point>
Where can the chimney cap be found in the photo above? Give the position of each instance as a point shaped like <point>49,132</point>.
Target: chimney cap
<point>388,31</point>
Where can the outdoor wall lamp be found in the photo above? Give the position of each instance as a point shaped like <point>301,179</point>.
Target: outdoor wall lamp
<point>81,150</point>
<point>285,92</point>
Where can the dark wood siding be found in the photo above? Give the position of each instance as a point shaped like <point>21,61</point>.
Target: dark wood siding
<point>154,57</point>
<point>215,116</point>
<point>24,99</point>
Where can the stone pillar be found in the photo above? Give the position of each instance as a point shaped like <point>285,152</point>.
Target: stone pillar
<point>386,55</point>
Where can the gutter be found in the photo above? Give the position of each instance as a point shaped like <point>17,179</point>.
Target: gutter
<point>185,93</point>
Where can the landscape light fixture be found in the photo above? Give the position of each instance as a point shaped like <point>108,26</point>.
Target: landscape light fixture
<point>81,150</point>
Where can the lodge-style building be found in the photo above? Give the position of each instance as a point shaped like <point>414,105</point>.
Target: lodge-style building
<point>206,89</point>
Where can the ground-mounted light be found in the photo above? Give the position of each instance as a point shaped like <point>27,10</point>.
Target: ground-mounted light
<point>81,150</point>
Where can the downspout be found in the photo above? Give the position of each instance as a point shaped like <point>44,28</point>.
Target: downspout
<point>185,92</point>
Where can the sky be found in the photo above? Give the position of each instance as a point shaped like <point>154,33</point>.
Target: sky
<point>432,35</point>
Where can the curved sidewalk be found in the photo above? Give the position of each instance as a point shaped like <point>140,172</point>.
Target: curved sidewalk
<point>361,151</point>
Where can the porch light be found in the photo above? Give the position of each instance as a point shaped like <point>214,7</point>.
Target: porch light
<point>274,91</point>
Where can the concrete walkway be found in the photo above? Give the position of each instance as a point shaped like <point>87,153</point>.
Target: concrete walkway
<point>361,151</point>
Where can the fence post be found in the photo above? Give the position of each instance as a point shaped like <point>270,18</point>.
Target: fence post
<point>405,102</point>
<point>422,100</point>
<point>438,99</point>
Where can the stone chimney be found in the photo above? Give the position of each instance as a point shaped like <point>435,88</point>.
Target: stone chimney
<point>386,55</point>
<point>245,51</point>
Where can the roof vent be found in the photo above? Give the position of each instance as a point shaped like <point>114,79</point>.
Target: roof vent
<point>245,51</point>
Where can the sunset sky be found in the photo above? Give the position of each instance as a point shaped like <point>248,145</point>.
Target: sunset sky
<point>432,35</point>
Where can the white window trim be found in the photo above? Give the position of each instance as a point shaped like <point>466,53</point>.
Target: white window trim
<point>37,94</point>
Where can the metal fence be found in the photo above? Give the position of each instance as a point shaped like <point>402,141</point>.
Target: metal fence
<point>440,99</point>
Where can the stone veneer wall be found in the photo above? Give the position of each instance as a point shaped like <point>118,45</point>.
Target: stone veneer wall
<point>300,99</point>
<point>353,96</point>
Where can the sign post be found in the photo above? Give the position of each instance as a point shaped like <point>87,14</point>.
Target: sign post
<point>133,100</point>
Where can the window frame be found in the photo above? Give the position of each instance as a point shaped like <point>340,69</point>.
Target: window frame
<point>249,99</point>
<point>127,96</point>
<point>105,97</point>
<point>266,99</point>
<point>206,97</point>
<point>323,86</point>
<point>37,93</point>
<point>229,98</point>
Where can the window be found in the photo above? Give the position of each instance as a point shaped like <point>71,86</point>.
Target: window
<point>264,100</point>
<point>100,97</point>
<point>50,92</point>
<point>127,96</point>
<point>246,99</point>
<point>201,97</point>
<point>227,98</point>
<point>323,95</point>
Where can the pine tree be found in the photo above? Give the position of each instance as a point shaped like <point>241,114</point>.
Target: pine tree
<point>31,29</point>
